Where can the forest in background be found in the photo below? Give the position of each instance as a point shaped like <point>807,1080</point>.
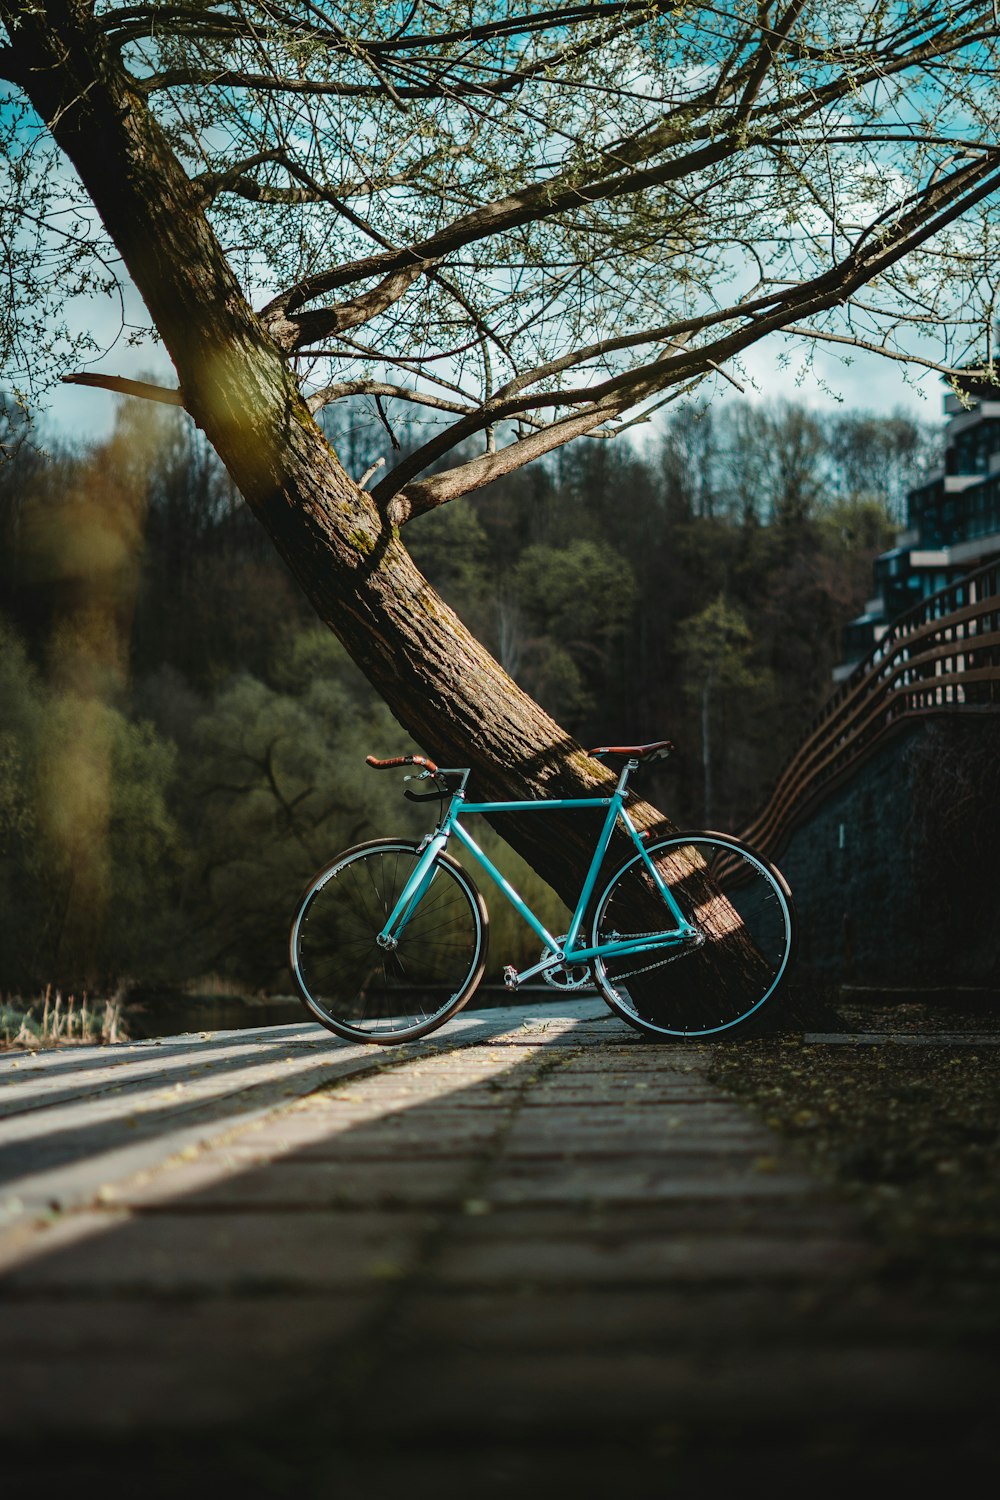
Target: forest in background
<point>182,745</point>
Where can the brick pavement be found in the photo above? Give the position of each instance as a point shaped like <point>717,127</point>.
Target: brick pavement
<point>530,1252</point>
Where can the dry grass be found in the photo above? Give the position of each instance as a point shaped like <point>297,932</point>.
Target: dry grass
<point>52,1021</point>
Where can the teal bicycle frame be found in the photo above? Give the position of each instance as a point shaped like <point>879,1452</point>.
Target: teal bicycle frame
<point>567,950</point>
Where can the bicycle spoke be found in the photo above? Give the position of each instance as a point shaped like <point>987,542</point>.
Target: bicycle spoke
<point>743,936</point>
<point>361,990</point>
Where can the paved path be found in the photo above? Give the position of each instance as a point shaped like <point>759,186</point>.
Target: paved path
<point>529,1253</point>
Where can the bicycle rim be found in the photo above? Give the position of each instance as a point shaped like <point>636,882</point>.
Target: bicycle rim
<point>742,910</point>
<point>370,994</point>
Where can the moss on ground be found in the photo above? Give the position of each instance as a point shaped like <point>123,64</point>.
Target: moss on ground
<point>910,1133</point>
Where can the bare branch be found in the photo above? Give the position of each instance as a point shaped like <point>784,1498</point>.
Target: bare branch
<point>372,469</point>
<point>462,480</point>
<point>135,22</point>
<point>141,388</point>
<point>855,341</point>
<point>603,180</point>
<point>943,202</point>
<point>236,179</point>
<point>318,399</point>
<point>291,332</point>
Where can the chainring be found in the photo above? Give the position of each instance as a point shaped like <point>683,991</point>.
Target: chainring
<point>566,976</point>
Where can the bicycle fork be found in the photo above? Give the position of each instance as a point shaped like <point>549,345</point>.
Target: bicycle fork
<point>412,893</point>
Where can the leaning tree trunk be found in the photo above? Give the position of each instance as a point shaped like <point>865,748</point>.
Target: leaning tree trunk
<point>444,688</point>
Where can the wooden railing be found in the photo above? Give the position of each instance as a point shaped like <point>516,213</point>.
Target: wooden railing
<point>941,657</point>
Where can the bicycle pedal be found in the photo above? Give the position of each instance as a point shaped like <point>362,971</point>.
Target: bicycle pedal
<point>510,977</point>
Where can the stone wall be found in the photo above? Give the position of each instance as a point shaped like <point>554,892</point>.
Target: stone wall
<point>894,873</point>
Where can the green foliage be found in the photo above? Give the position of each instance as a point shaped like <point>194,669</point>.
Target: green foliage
<point>453,543</point>
<point>580,592</point>
<point>716,647</point>
<point>21,714</point>
<point>175,768</point>
<point>572,603</point>
<point>274,785</point>
<point>857,523</point>
<point>87,842</point>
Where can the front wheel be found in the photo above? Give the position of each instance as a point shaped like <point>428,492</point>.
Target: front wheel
<point>741,909</point>
<point>367,993</point>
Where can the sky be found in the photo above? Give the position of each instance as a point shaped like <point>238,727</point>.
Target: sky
<point>869,383</point>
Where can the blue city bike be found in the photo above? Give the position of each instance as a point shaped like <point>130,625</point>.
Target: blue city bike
<point>389,940</point>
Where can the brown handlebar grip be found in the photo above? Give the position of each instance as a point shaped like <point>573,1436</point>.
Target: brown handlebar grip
<point>401,760</point>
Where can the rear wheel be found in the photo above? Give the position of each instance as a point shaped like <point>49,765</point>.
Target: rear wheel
<point>366,993</point>
<point>741,908</point>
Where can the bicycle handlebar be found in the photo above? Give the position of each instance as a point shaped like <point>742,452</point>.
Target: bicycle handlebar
<point>401,760</point>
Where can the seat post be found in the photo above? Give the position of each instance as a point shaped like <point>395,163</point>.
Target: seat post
<point>626,771</point>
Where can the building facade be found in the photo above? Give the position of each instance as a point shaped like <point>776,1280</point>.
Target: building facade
<point>953,522</point>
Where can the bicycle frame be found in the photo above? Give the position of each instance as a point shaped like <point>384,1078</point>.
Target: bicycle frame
<point>566,951</point>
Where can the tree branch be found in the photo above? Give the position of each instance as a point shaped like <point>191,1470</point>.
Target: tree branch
<point>415,499</point>
<point>124,387</point>
<point>235,179</point>
<point>943,202</point>
<point>363,387</point>
<point>292,331</point>
<point>853,341</point>
<point>133,22</point>
<point>377,56</point>
<point>604,180</point>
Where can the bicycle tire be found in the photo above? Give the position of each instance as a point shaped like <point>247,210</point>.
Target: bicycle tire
<point>365,993</point>
<point>696,991</point>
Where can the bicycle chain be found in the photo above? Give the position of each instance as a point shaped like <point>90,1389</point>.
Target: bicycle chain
<point>658,965</point>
